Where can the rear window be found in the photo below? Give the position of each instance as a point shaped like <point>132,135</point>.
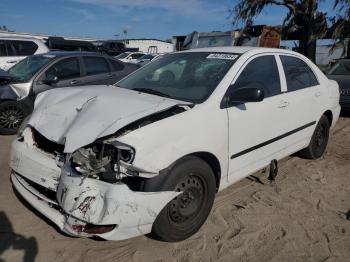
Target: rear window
<point>95,65</point>
<point>23,48</point>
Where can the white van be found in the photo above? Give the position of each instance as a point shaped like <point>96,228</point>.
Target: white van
<point>14,49</point>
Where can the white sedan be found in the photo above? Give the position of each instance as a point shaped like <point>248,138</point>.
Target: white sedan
<point>149,153</point>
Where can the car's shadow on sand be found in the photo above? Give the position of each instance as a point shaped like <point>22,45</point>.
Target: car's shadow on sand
<point>10,239</point>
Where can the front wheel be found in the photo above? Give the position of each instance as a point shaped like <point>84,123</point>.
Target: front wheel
<point>186,213</point>
<point>12,114</point>
<point>318,141</point>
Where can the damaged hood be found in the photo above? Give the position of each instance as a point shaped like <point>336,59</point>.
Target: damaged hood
<point>78,116</point>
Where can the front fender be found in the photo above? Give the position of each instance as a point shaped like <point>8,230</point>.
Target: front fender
<point>161,143</point>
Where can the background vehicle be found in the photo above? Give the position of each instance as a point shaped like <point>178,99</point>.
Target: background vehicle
<point>112,47</point>
<point>149,154</point>
<point>340,72</point>
<point>59,43</point>
<point>14,49</point>
<point>38,73</point>
<point>129,57</point>
<point>145,59</point>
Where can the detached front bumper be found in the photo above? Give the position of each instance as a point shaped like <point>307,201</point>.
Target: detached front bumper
<point>74,203</point>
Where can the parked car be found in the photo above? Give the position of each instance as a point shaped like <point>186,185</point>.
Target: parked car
<point>14,49</point>
<point>340,72</point>
<point>113,47</point>
<point>149,155</point>
<point>129,57</point>
<point>23,82</point>
<point>145,59</point>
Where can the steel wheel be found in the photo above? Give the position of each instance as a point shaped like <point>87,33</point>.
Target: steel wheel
<point>318,141</point>
<point>185,214</point>
<point>189,203</point>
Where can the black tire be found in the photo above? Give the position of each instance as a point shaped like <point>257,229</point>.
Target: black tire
<point>185,214</point>
<point>318,141</point>
<point>12,115</point>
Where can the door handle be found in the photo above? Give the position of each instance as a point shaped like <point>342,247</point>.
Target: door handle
<point>74,82</point>
<point>110,75</point>
<point>12,61</point>
<point>283,104</point>
<point>317,94</point>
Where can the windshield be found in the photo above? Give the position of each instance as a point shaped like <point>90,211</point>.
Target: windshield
<point>122,55</point>
<point>24,70</point>
<point>184,76</point>
<point>340,68</point>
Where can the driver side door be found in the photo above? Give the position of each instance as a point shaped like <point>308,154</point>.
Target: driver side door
<point>256,129</point>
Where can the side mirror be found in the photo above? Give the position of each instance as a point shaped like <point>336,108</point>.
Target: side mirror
<point>49,82</point>
<point>243,95</point>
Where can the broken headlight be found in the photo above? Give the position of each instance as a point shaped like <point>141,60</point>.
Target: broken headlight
<point>104,160</point>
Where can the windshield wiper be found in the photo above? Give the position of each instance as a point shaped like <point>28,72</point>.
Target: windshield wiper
<point>151,91</point>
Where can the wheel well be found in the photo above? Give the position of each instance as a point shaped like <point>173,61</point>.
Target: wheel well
<point>213,162</point>
<point>329,116</point>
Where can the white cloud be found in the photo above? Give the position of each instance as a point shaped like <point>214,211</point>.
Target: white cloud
<point>182,7</point>
<point>85,15</point>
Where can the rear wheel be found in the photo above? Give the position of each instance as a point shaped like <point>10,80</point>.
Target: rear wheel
<point>186,213</point>
<point>318,141</point>
<point>12,115</point>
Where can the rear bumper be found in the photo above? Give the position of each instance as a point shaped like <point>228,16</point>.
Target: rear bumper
<point>74,202</point>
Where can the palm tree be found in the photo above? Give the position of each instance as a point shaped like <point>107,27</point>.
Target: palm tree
<point>340,28</point>
<point>303,16</point>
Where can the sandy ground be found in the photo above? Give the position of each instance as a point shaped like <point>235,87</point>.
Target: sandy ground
<point>299,217</point>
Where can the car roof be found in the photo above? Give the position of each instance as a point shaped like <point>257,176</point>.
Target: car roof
<point>71,53</point>
<point>239,49</point>
<point>20,38</point>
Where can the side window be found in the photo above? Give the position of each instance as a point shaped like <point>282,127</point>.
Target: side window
<point>116,66</point>
<point>3,51</point>
<point>95,65</point>
<point>261,72</point>
<point>298,74</point>
<point>24,48</point>
<point>64,69</point>
<point>135,56</point>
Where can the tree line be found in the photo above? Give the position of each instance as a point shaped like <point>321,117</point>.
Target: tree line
<point>303,17</point>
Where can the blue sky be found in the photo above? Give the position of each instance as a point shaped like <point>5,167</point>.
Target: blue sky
<point>142,18</point>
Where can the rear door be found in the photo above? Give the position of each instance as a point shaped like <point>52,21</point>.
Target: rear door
<point>96,70</point>
<point>68,72</point>
<point>303,101</point>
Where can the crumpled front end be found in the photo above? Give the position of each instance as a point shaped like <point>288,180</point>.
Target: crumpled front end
<point>80,204</point>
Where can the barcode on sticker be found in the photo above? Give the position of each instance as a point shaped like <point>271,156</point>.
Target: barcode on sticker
<point>222,56</point>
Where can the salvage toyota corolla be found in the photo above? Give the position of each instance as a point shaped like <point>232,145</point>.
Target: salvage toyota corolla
<point>148,154</point>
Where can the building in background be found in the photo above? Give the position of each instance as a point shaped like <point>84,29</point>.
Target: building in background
<point>152,46</point>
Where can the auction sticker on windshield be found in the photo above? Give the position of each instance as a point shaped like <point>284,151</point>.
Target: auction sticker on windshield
<point>223,56</point>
